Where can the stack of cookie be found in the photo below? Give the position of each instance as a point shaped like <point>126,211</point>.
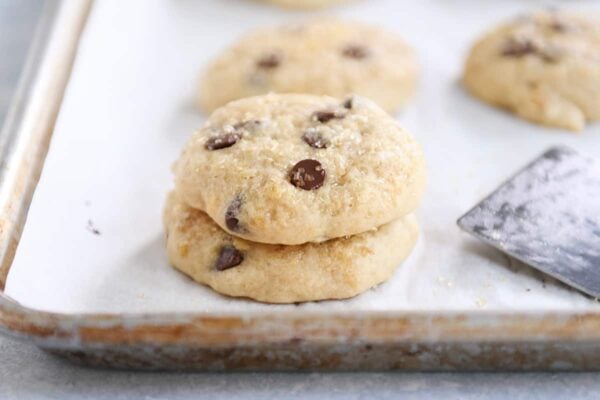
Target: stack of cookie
<point>288,198</point>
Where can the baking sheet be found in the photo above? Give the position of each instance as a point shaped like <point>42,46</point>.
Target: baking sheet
<point>93,240</point>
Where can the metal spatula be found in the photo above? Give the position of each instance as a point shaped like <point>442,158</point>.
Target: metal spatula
<point>548,216</point>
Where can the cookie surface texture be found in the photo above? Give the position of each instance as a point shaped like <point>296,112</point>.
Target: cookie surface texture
<point>337,269</point>
<point>291,169</point>
<point>325,57</point>
<point>545,67</point>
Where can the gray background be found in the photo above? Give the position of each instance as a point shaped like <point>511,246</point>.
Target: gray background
<point>28,373</point>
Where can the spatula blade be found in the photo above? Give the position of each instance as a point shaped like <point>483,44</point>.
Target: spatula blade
<point>548,216</point>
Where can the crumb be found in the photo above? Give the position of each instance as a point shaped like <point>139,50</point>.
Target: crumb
<point>529,290</point>
<point>87,203</point>
<point>481,302</point>
<point>90,227</point>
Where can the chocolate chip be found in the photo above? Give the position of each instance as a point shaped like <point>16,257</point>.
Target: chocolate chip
<point>307,174</point>
<point>314,139</point>
<point>222,141</point>
<point>229,257</point>
<point>518,48</point>
<point>269,61</point>
<point>231,134</point>
<point>325,116</point>
<point>232,220</point>
<point>558,27</point>
<point>356,51</point>
<point>348,103</point>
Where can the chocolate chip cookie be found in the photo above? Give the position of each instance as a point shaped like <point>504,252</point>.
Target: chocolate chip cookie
<point>326,57</point>
<point>336,269</point>
<point>545,67</point>
<point>291,169</point>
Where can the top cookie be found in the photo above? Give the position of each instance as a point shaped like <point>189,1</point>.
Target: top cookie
<point>545,67</point>
<point>324,57</point>
<point>291,169</point>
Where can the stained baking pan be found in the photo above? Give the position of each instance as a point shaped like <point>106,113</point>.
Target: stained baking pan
<point>83,266</point>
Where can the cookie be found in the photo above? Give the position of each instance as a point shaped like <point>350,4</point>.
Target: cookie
<point>324,57</point>
<point>336,269</point>
<point>545,67</point>
<point>290,169</point>
<point>305,4</point>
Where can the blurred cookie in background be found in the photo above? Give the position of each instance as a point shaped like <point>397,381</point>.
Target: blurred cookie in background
<point>325,57</point>
<point>544,67</point>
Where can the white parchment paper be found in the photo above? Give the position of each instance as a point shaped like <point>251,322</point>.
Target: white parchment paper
<point>129,108</point>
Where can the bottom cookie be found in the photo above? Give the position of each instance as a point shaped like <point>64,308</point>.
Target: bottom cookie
<point>336,269</point>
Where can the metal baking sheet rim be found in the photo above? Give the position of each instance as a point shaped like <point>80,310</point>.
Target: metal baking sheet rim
<point>256,341</point>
